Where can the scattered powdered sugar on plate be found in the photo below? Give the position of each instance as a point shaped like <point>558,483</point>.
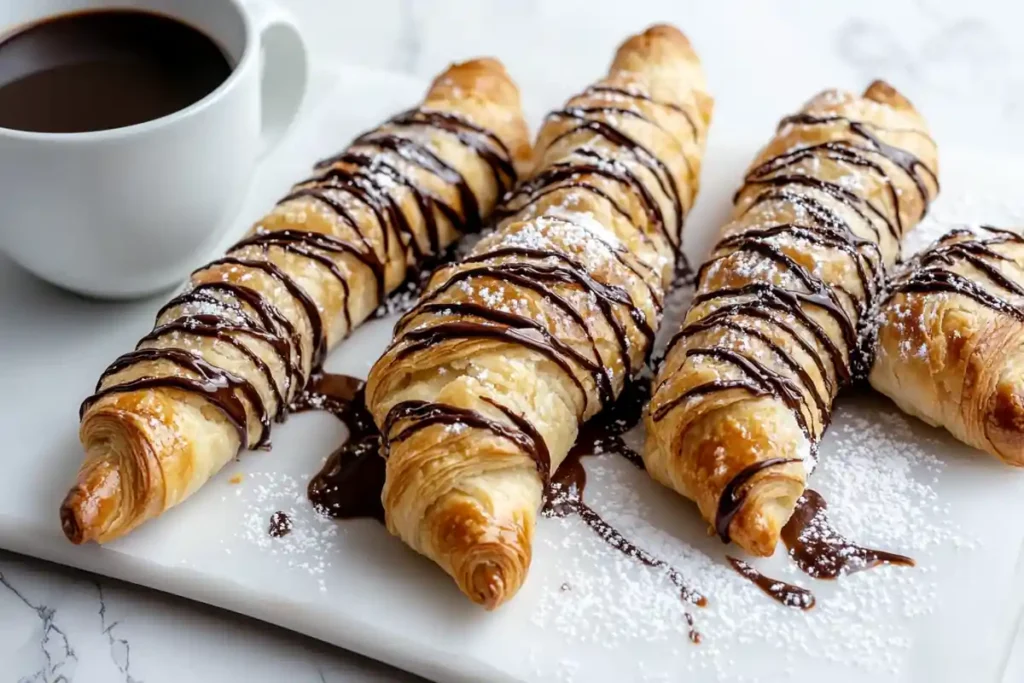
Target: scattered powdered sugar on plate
<point>309,545</point>
<point>877,476</point>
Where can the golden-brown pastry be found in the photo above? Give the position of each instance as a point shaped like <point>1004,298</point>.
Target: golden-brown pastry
<point>747,385</point>
<point>949,348</point>
<point>228,355</point>
<point>481,394</point>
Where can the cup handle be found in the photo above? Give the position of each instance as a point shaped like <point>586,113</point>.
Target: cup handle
<point>285,69</point>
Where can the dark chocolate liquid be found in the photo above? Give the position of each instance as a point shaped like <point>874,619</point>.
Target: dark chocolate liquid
<point>97,70</point>
<point>821,551</point>
<point>280,524</point>
<point>349,484</point>
<point>780,591</point>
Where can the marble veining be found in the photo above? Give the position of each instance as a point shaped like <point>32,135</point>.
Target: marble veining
<point>57,659</point>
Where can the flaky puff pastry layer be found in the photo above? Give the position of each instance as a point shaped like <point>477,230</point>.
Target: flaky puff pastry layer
<point>949,348</point>
<point>231,353</point>
<point>747,385</point>
<point>481,394</point>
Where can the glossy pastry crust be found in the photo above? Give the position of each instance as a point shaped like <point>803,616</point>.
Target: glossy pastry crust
<point>949,348</point>
<point>228,355</point>
<point>481,394</point>
<point>747,385</point>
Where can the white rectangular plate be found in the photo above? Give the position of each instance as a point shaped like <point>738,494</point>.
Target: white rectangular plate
<point>586,612</point>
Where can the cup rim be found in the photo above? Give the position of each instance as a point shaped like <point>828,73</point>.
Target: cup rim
<point>166,120</point>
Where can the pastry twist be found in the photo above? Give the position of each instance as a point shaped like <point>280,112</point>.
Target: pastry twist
<point>950,342</point>
<point>228,355</point>
<point>747,385</point>
<point>488,378</point>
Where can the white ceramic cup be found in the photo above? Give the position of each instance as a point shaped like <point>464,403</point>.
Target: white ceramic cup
<point>127,212</point>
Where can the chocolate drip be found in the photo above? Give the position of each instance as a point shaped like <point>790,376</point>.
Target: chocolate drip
<point>780,591</point>
<point>336,394</point>
<point>559,280</point>
<point>350,483</point>
<point>603,433</point>
<point>538,446</point>
<point>229,311</point>
<point>735,493</point>
<point>821,551</point>
<point>280,524</point>
<point>564,497</point>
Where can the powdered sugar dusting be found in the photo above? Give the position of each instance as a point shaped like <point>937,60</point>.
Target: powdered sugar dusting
<point>878,476</point>
<point>309,544</point>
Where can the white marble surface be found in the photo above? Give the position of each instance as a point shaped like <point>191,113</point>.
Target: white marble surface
<point>962,63</point>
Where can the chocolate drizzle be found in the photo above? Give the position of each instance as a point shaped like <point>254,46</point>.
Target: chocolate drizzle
<point>565,497</point>
<point>251,323</point>
<point>821,551</point>
<point>421,415</point>
<point>553,275</point>
<point>932,270</point>
<point>605,162</point>
<point>780,591</point>
<point>549,281</point>
<point>900,157</point>
<point>213,383</point>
